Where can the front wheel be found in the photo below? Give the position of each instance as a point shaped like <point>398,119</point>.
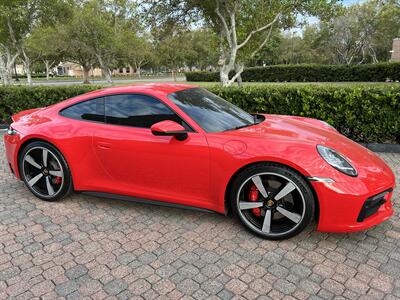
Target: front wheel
<point>272,201</point>
<point>45,171</point>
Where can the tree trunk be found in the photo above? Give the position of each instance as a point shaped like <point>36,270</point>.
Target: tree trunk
<point>8,76</point>
<point>229,45</point>
<point>108,75</point>
<point>27,65</point>
<point>174,75</point>
<point>86,70</point>
<point>373,55</point>
<point>224,75</point>
<point>138,72</point>
<point>106,70</point>
<point>28,75</point>
<point>239,78</point>
<point>7,61</point>
<point>48,66</point>
<point>7,80</point>
<point>2,69</point>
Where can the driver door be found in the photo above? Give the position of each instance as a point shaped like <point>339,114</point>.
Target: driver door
<point>141,164</point>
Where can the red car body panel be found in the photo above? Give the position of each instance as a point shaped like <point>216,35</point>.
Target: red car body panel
<point>197,171</point>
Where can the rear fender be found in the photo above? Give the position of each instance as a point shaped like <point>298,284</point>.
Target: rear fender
<point>23,113</point>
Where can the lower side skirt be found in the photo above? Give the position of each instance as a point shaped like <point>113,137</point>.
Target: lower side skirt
<point>144,201</point>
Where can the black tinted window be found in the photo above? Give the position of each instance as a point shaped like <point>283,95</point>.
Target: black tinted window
<point>91,110</point>
<point>137,111</point>
<point>211,112</point>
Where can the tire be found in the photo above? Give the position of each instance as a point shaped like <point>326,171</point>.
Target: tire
<point>272,201</point>
<point>45,171</point>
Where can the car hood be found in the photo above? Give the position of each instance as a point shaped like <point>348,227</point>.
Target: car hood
<point>276,128</point>
<point>291,128</point>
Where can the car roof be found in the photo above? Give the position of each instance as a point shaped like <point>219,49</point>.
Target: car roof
<point>164,88</point>
<point>152,89</point>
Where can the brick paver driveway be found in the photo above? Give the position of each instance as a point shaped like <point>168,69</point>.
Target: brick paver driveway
<point>97,248</point>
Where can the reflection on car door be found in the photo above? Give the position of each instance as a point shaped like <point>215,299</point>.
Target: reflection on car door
<point>144,165</point>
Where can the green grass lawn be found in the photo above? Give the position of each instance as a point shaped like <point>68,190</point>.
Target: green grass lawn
<point>94,79</point>
<point>137,80</point>
<point>207,84</point>
<point>213,84</point>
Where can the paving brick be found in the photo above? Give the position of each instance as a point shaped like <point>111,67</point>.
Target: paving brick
<point>382,283</point>
<point>115,286</point>
<point>333,286</point>
<point>42,288</point>
<point>92,248</point>
<point>284,286</point>
<point>309,286</point>
<point>357,286</point>
<point>66,288</point>
<point>164,286</point>
<point>188,286</point>
<point>139,287</point>
<point>236,286</point>
<point>76,272</point>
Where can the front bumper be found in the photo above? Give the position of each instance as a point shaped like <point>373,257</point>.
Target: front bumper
<point>11,143</point>
<point>343,205</point>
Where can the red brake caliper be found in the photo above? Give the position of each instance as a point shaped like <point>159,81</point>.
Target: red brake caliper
<point>253,196</point>
<point>57,180</point>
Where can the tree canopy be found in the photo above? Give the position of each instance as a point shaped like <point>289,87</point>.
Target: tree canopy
<point>174,35</point>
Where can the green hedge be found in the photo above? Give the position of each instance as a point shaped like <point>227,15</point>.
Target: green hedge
<point>310,73</point>
<point>16,98</point>
<point>364,112</point>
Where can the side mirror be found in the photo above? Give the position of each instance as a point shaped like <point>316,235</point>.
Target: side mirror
<point>169,128</point>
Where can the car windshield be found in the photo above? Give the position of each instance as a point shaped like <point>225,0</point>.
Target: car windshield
<point>210,112</point>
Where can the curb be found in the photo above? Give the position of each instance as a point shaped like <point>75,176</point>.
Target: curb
<point>387,148</point>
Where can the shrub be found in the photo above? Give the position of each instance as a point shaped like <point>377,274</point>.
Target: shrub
<point>310,73</point>
<point>202,76</point>
<point>16,98</point>
<point>363,112</point>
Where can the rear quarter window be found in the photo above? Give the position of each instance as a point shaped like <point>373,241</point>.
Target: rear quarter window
<point>90,110</point>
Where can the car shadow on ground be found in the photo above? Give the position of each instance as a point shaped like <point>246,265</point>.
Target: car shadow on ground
<point>178,215</point>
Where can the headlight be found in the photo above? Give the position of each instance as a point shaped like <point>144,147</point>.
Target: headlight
<point>11,131</point>
<point>336,160</point>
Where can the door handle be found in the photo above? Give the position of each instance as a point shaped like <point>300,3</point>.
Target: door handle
<point>103,145</point>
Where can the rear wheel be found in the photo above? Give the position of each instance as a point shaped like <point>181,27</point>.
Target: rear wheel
<point>45,171</point>
<point>272,201</point>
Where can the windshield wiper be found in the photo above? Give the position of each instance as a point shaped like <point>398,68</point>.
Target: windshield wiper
<point>238,127</point>
<point>256,120</point>
<point>243,126</point>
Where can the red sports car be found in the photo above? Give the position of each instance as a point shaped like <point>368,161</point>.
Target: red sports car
<point>181,145</point>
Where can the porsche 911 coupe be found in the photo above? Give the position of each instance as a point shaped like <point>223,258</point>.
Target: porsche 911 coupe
<point>181,145</point>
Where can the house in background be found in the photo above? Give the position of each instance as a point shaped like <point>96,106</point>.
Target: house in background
<point>395,50</point>
<point>19,69</point>
<point>75,70</point>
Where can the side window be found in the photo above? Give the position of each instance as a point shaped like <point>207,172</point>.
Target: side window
<point>90,110</point>
<point>138,111</point>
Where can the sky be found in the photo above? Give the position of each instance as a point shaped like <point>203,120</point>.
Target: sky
<point>297,30</point>
<point>349,2</point>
